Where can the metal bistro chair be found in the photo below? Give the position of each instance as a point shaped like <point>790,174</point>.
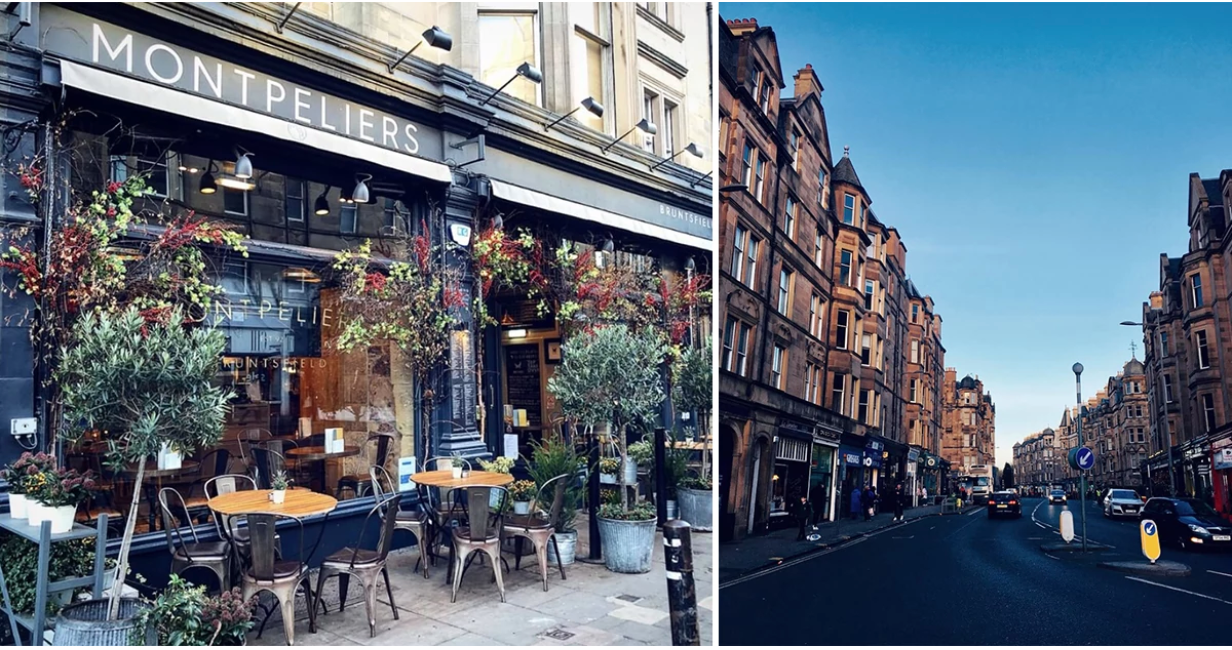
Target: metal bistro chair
<point>418,523</point>
<point>540,530</point>
<point>197,500</point>
<point>439,505</point>
<point>280,577</point>
<point>248,438</point>
<point>228,527</point>
<point>365,564</point>
<point>358,484</point>
<point>266,463</point>
<point>481,531</point>
<point>185,554</point>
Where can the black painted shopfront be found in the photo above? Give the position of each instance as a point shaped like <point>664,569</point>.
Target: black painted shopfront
<point>186,102</point>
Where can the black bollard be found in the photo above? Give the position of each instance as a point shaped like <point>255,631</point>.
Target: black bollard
<point>660,477</point>
<point>681,594</point>
<point>592,499</point>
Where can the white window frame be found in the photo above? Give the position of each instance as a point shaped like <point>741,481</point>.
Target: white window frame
<point>786,279</point>
<point>849,210</point>
<point>1202,349</point>
<point>791,209</point>
<point>739,243</point>
<point>1195,291</point>
<point>915,351</point>
<point>777,371</point>
<point>842,324</point>
<point>515,9</point>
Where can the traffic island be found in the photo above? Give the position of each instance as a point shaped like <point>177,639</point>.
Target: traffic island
<point>1162,568</point>
<point>1053,547</point>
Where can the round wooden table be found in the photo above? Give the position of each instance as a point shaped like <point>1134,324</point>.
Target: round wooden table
<point>298,503</point>
<point>318,453</point>
<point>443,478</point>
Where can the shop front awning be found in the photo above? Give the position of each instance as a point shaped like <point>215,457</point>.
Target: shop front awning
<point>549,203</point>
<point>116,86</point>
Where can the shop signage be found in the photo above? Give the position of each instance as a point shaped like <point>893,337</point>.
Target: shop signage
<point>1223,458</point>
<point>850,458</point>
<point>82,38</point>
<point>1195,453</point>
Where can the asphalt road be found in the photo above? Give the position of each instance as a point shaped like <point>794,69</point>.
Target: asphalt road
<point>963,579</point>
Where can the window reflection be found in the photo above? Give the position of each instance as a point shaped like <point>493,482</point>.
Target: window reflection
<point>506,41</point>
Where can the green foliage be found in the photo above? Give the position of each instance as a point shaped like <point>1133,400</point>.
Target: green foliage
<point>692,388</point>
<point>144,384</point>
<point>25,468</point>
<point>279,481</point>
<point>553,457</point>
<point>60,487</point>
<point>638,512</point>
<point>610,375</point>
<point>184,615</point>
<point>522,490</point>
<point>499,465</point>
<point>19,557</point>
<point>609,465</point>
<point>696,483</point>
<point>642,452</point>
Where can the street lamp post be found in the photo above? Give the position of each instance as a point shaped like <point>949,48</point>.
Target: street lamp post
<point>1163,400</point>
<point>1082,476</point>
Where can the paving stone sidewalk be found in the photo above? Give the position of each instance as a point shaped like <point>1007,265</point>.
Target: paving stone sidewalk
<point>593,606</point>
<point>751,554</point>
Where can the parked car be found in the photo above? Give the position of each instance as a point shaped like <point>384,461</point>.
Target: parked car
<point>1057,496</point>
<point>1004,504</point>
<point>1188,523</point>
<point>1122,503</point>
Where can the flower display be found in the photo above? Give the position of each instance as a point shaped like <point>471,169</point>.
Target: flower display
<point>19,473</point>
<point>60,487</point>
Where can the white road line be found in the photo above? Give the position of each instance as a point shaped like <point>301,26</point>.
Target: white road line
<point>791,563</point>
<point>975,512</point>
<point>1220,573</point>
<point>1052,556</point>
<point>1184,591</point>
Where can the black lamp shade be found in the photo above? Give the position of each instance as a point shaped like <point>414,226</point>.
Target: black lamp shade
<point>647,127</point>
<point>436,37</point>
<point>594,107</point>
<point>530,72</point>
<point>321,206</point>
<point>208,186</point>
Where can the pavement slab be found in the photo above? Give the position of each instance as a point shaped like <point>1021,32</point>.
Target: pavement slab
<point>592,606</point>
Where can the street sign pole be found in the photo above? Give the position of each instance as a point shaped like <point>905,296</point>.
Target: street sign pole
<point>1082,493</point>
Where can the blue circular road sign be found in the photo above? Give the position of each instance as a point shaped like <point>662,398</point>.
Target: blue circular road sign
<point>1085,458</point>
<point>1149,527</point>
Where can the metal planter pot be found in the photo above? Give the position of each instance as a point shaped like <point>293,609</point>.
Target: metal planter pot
<point>696,507</point>
<point>628,546</point>
<point>567,542</point>
<point>86,624</point>
<point>630,472</point>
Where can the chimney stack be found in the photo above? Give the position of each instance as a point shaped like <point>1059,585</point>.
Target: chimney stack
<point>807,82</point>
<point>742,26</point>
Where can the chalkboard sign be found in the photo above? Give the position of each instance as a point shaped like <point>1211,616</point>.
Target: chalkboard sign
<point>522,377</point>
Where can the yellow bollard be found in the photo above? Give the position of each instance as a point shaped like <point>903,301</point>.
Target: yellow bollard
<point>958,504</point>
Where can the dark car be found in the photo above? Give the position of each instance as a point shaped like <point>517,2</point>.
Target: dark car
<point>1004,504</point>
<point>1188,523</point>
<point>1057,496</point>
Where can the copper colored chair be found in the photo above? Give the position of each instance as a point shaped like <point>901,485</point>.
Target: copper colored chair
<point>280,577</point>
<point>539,527</point>
<point>365,564</point>
<point>479,530</point>
<point>186,554</point>
<point>418,523</point>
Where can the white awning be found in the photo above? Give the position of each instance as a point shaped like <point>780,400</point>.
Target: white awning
<point>174,101</point>
<point>571,208</point>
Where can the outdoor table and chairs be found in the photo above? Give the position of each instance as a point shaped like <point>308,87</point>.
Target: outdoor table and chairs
<point>365,564</point>
<point>537,529</point>
<point>417,522</point>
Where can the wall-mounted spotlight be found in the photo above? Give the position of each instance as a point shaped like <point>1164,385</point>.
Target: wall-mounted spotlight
<point>344,195</point>
<point>609,246</point>
<point>208,185</point>
<point>592,106</point>
<point>191,169</point>
<point>360,193</point>
<point>525,70</point>
<point>435,37</point>
<point>321,206</point>
<point>690,264</point>
<point>243,164</point>
<point>498,223</point>
<point>643,125</point>
<point>693,149</point>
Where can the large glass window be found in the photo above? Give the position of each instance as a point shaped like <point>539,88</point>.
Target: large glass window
<point>591,46</point>
<point>506,41</point>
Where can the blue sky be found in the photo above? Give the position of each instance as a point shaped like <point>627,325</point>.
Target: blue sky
<point>1035,159</point>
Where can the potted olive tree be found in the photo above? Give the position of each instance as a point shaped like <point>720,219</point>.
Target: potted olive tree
<point>144,383</point>
<point>692,391</point>
<point>611,375</point>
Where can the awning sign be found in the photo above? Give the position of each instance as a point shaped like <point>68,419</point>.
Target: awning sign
<point>1223,458</point>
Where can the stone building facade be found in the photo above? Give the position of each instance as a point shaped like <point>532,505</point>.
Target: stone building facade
<point>969,423</point>
<point>813,307</point>
<point>1038,460</point>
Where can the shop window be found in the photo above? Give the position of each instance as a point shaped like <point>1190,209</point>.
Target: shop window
<point>234,202</point>
<point>348,219</point>
<point>295,204</point>
<point>506,41</point>
<point>158,176</point>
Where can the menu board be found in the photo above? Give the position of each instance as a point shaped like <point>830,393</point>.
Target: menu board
<point>522,381</point>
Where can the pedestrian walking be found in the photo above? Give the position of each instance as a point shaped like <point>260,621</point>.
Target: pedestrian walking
<point>804,514</point>
<point>899,497</point>
<point>870,501</point>
<point>856,499</point>
<point>820,502</point>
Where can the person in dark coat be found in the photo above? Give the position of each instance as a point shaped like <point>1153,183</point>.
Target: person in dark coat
<point>818,496</point>
<point>804,515</point>
<point>899,497</point>
<point>869,501</point>
<point>857,499</point>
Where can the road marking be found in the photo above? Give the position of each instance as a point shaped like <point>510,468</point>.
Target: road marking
<point>1052,556</point>
<point>931,527</point>
<point>792,563</point>
<point>1220,573</point>
<point>907,537</point>
<point>975,512</point>
<point>1184,591</point>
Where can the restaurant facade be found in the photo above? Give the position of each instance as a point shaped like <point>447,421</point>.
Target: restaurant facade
<point>188,95</point>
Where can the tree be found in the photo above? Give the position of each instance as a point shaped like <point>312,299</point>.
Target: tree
<point>1007,476</point>
<point>144,385</point>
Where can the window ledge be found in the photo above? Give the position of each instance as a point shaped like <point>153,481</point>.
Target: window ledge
<point>660,23</point>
